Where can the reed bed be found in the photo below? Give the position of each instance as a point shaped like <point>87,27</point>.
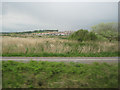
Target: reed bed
<point>17,45</point>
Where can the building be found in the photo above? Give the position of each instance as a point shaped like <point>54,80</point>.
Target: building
<point>53,33</point>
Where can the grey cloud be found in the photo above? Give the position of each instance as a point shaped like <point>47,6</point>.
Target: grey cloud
<point>62,15</point>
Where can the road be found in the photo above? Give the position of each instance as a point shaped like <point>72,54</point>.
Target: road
<point>63,59</point>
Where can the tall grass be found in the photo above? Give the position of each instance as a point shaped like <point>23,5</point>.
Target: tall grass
<point>17,45</point>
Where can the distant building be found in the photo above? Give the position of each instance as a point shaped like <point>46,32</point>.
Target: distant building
<point>54,33</point>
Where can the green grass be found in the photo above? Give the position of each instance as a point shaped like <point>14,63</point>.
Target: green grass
<point>101,54</point>
<point>59,75</point>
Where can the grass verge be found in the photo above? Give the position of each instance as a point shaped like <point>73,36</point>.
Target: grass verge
<point>45,74</point>
<point>101,54</point>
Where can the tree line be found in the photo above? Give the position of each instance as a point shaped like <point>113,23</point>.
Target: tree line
<point>107,31</point>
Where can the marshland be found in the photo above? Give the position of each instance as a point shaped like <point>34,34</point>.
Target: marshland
<point>97,42</point>
<point>78,31</point>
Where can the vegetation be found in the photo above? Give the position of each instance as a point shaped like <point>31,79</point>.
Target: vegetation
<point>101,41</point>
<point>35,31</point>
<point>16,46</point>
<point>43,74</point>
<point>102,54</point>
<point>83,35</point>
<point>107,30</point>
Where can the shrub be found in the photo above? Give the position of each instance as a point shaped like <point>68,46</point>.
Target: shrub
<point>107,30</point>
<point>83,35</point>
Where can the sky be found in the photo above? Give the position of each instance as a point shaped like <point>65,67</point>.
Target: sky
<point>64,16</point>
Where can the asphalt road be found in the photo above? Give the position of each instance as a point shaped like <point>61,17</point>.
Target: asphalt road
<point>63,59</point>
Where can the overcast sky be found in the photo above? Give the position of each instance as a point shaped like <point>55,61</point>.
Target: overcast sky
<point>23,16</point>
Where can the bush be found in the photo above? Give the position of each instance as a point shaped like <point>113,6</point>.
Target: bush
<point>107,30</point>
<point>83,35</point>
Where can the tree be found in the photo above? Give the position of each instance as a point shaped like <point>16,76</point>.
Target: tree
<point>107,30</point>
<point>83,35</point>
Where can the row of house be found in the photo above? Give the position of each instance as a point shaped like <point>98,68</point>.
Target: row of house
<point>54,33</point>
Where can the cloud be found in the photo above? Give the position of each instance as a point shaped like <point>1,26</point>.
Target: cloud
<point>60,1</point>
<point>14,20</point>
<point>0,23</point>
<point>22,16</point>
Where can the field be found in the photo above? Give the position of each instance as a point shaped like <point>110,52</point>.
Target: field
<point>59,75</point>
<point>56,46</point>
<point>43,74</point>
